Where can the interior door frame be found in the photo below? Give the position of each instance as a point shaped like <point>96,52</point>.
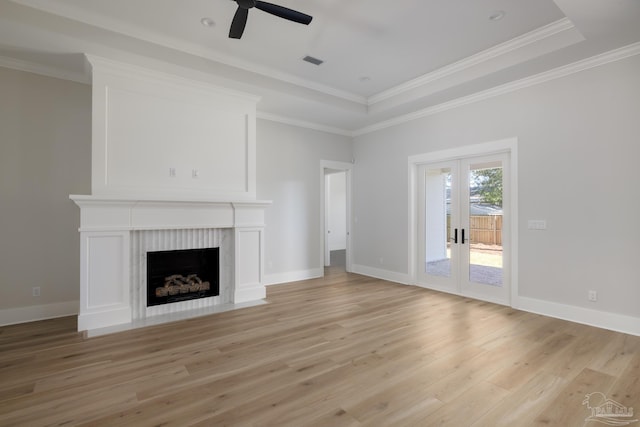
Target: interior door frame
<point>343,167</point>
<point>509,146</point>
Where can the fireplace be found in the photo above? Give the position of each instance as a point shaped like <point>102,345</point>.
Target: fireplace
<point>181,275</point>
<point>117,234</point>
<point>173,167</point>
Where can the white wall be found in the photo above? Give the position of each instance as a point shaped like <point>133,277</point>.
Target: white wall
<point>578,162</point>
<point>337,210</point>
<point>289,174</point>
<point>45,155</point>
<point>157,134</point>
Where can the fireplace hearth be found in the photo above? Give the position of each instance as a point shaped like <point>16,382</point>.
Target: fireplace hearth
<point>181,275</point>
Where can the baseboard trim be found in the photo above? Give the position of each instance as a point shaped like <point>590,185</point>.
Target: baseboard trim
<point>13,316</point>
<point>249,293</point>
<point>293,276</point>
<point>379,273</point>
<point>113,316</point>
<point>600,319</point>
<point>586,316</point>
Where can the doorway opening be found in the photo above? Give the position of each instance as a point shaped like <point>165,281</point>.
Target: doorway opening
<point>463,218</point>
<point>335,213</point>
<point>336,219</point>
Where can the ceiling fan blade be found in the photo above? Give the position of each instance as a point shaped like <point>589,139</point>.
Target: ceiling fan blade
<point>284,12</point>
<point>238,23</point>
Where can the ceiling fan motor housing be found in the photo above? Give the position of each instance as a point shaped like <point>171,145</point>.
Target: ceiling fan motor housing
<point>246,4</point>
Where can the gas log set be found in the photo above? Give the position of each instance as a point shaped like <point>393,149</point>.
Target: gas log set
<point>178,284</point>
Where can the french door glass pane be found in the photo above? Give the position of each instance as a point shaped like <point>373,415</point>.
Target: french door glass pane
<point>438,222</point>
<point>485,223</point>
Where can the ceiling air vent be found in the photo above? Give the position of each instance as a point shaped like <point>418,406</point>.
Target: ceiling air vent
<point>312,60</point>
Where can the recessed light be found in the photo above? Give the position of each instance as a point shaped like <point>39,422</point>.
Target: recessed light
<point>208,22</point>
<point>497,15</point>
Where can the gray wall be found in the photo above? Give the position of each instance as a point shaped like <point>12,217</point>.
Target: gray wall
<point>578,151</point>
<point>578,160</point>
<point>289,174</point>
<point>45,155</point>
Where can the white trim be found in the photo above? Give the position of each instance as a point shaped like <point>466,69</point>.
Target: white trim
<point>508,145</point>
<point>172,317</point>
<point>378,273</point>
<point>293,276</point>
<point>32,313</point>
<point>326,209</point>
<point>480,149</point>
<point>348,169</point>
<point>302,124</point>
<point>503,48</point>
<point>556,73</point>
<point>446,290</point>
<point>559,72</point>
<point>514,216</point>
<point>43,70</point>
<point>331,164</point>
<point>250,294</point>
<point>600,319</point>
<point>105,256</point>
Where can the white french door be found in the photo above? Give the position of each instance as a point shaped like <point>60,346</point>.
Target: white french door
<point>463,226</point>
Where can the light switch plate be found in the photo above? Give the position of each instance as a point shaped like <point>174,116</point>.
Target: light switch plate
<point>537,224</point>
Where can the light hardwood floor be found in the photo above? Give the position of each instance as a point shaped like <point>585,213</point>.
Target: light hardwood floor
<point>345,350</point>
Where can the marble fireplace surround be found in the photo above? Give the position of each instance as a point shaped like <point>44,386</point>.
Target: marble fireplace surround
<point>116,233</point>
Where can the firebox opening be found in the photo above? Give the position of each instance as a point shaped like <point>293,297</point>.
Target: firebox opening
<point>181,275</point>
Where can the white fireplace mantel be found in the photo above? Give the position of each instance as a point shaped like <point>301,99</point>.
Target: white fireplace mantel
<point>106,225</point>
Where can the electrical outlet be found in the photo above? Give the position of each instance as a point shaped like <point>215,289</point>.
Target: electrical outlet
<point>35,291</point>
<point>195,173</point>
<point>172,172</point>
<point>593,296</point>
<point>380,260</point>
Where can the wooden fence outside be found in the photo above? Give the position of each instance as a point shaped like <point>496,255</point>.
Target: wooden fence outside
<point>485,229</point>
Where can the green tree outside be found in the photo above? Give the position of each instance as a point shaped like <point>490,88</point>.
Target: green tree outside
<point>488,185</point>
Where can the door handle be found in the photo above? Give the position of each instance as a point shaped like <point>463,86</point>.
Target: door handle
<point>455,235</point>
<point>463,236</point>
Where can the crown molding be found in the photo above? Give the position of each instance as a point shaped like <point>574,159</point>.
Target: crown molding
<point>125,69</point>
<point>303,124</point>
<point>43,70</point>
<point>501,49</point>
<point>585,64</point>
<point>556,73</point>
<point>113,25</point>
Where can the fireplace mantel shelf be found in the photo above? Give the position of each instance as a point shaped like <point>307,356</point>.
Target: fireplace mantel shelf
<point>136,213</point>
<point>170,200</point>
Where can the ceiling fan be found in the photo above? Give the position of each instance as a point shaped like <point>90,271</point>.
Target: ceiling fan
<point>240,18</point>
